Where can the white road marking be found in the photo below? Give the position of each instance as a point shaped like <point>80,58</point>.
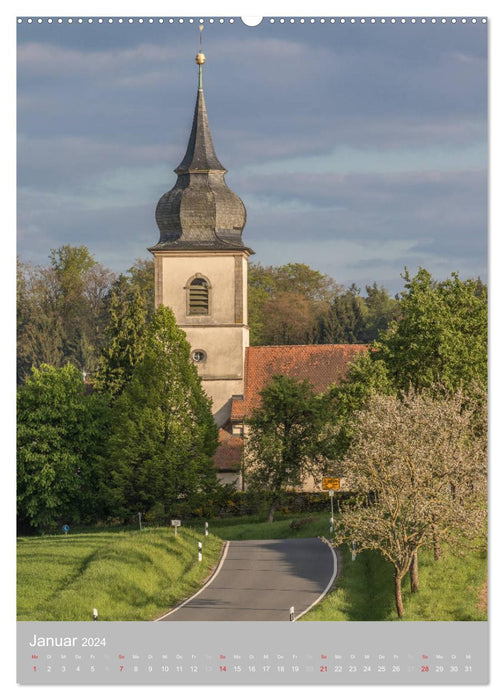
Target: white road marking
<point>224,555</point>
<point>335,561</point>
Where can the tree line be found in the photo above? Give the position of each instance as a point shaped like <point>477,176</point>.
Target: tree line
<point>293,304</point>
<point>406,430</point>
<point>65,309</point>
<point>140,441</point>
<point>112,418</point>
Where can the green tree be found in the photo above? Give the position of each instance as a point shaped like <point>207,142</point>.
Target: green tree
<point>71,264</point>
<point>39,325</point>
<point>287,438</point>
<point>438,343</point>
<point>125,333</point>
<point>440,338</point>
<point>300,278</point>
<point>60,439</point>
<point>141,278</point>
<point>345,319</point>
<point>381,310</point>
<point>163,436</point>
<point>365,377</point>
<point>60,311</point>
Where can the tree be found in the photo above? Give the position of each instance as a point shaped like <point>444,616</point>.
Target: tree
<point>364,378</point>
<point>381,310</point>
<point>293,291</point>
<point>39,326</point>
<point>287,439</point>
<point>60,436</point>
<point>345,319</point>
<point>60,311</point>
<point>71,264</point>
<point>125,334</point>
<point>141,278</point>
<point>416,465</point>
<point>288,320</point>
<point>440,338</point>
<point>163,436</point>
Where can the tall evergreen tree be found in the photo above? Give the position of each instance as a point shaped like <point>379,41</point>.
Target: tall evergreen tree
<point>381,309</point>
<point>164,436</point>
<point>141,277</point>
<point>345,319</point>
<point>124,334</point>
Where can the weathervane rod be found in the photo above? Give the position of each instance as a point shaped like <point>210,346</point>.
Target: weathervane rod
<point>200,58</point>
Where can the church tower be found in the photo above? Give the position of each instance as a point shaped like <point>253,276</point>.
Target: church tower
<point>200,263</point>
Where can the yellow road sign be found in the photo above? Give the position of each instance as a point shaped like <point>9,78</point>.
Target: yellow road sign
<point>329,483</point>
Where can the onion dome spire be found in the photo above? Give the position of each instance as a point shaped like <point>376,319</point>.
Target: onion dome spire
<point>200,211</point>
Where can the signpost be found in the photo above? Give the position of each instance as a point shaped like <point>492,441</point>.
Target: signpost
<point>331,484</point>
<point>206,529</point>
<point>200,551</point>
<point>139,521</point>
<point>65,529</point>
<point>176,524</point>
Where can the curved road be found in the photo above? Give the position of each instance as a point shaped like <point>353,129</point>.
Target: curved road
<point>261,580</point>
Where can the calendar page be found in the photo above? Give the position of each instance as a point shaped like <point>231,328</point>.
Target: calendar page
<point>252,350</point>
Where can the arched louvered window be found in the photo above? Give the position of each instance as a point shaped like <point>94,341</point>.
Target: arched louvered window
<point>199,297</point>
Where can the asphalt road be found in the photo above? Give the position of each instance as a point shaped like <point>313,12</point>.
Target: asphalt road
<point>261,580</point>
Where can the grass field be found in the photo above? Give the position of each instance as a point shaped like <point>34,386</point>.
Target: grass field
<point>135,575</point>
<point>450,589</point>
<point>132,575</point>
<point>256,528</point>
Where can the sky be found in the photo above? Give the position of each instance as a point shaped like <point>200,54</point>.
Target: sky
<point>358,149</point>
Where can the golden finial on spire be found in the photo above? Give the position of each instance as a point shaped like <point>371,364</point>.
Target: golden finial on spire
<point>200,58</point>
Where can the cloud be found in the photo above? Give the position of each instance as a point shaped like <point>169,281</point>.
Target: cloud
<point>56,161</point>
<point>345,160</point>
<point>37,59</point>
<point>355,149</point>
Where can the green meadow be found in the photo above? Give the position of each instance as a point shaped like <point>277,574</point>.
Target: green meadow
<point>452,588</point>
<point>131,575</point>
<point>139,575</point>
<point>256,528</point>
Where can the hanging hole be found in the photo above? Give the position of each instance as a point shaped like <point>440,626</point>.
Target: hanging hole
<point>251,21</point>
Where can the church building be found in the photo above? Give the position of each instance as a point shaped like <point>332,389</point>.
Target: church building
<point>200,268</point>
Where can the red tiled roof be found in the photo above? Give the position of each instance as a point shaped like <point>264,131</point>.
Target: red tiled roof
<point>321,365</point>
<point>229,453</point>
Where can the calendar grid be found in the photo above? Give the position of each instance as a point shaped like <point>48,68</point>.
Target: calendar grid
<point>253,653</point>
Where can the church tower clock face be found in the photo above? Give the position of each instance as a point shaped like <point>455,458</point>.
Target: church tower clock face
<point>200,263</point>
